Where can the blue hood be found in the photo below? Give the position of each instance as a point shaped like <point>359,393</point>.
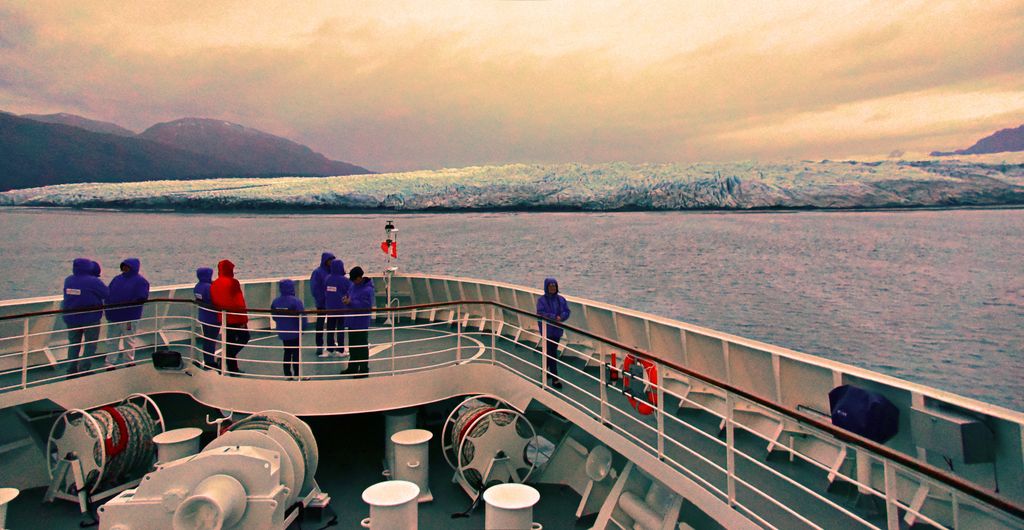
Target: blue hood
<point>361,297</point>
<point>552,306</point>
<point>128,286</point>
<point>82,290</point>
<point>286,287</point>
<point>204,274</point>
<point>96,270</point>
<point>201,292</point>
<point>133,266</point>
<point>324,257</point>
<point>82,266</point>
<point>338,267</point>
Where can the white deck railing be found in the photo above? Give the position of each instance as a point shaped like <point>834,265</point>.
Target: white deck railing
<point>684,432</point>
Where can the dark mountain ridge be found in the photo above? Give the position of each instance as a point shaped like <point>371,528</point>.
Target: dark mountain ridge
<point>43,150</point>
<point>998,142</point>
<point>253,150</point>
<point>74,120</point>
<point>34,153</point>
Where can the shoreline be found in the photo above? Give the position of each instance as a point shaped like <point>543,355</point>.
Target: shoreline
<point>454,211</point>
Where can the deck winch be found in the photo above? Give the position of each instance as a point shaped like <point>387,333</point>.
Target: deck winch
<point>487,441</point>
<point>92,455</point>
<point>252,476</point>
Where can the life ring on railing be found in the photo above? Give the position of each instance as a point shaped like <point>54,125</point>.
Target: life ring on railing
<point>638,379</point>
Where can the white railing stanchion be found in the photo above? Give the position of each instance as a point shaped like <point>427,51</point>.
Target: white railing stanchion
<point>24,354</point>
<point>192,335</point>
<point>730,448</point>
<point>892,512</point>
<point>660,393</point>
<point>392,317</point>
<point>955,508</point>
<point>302,325</point>
<point>494,333</point>
<point>543,354</point>
<point>458,330</point>
<point>223,341</point>
<point>603,391</point>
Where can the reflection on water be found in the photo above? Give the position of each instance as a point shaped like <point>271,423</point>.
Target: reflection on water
<point>935,297</point>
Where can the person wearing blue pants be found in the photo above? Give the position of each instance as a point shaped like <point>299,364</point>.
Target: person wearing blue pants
<point>552,305</point>
<point>318,289</point>
<point>336,287</point>
<point>360,299</point>
<point>207,316</point>
<point>82,290</point>
<point>123,328</point>
<point>287,310</point>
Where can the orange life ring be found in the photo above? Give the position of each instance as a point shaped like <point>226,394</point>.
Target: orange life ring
<point>651,376</point>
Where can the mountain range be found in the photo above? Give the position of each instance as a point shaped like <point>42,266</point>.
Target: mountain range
<point>998,142</point>
<point>43,150</point>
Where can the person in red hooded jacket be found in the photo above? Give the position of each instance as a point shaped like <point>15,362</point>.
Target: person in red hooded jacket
<point>226,295</point>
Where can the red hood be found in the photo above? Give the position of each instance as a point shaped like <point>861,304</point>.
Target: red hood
<point>226,269</point>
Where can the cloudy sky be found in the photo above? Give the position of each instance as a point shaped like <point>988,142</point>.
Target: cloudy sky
<point>413,85</point>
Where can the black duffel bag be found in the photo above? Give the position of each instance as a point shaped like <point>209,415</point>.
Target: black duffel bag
<point>866,413</point>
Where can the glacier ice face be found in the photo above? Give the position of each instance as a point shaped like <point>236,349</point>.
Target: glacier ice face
<point>969,180</point>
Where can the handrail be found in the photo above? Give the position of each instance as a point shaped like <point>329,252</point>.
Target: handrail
<point>994,499</point>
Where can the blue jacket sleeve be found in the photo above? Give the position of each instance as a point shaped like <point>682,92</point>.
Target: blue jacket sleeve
<point>144,290</point>
<point>102,290</point>
<point>316,286</point>
<point>542,308</point>
<point>364,300</point>
<point>300,308</point>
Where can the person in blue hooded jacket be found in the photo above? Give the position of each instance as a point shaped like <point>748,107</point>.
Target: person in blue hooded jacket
<point>552,305</point>
<point>207,316</point>
<point>96,269</point>
<point>82,290</point>
<point>287,310</point>
<point>336,287</point>
<point>123,331</point>
<point>319,290</point>
<point>360,300</point>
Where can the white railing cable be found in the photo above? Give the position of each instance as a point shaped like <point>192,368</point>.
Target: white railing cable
<point>648,433</point>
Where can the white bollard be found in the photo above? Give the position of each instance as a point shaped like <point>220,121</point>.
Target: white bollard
<point>412,459</point>
<point>510,506</point>
<point>392,505</point>
<point>395,421</point>
<point>6,496</point>
<point>176,443</point>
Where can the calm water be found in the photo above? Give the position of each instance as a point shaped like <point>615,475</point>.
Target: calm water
<point>935,297</point>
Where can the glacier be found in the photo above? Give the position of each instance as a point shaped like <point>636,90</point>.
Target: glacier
<point>973,180</point>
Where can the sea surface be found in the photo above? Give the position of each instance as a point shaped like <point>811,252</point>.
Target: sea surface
<point>931,296</point>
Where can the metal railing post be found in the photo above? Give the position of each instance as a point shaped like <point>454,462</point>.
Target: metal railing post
<point>192,335</point>
<point>660,398</point>
<point>543,354</point>
<point>458,328</point>
<point>494,334</point>
<point>302,324</point>
<point>730,448</point>
<point>223,341</point>
<point>24,355</point>
<point>603,375</point>
<point>892,512</point>
<point>393,318</point>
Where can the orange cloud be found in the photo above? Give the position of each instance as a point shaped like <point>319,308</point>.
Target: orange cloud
<point>405,86</point>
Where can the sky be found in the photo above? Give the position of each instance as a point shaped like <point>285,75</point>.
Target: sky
<point>398,85</point>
